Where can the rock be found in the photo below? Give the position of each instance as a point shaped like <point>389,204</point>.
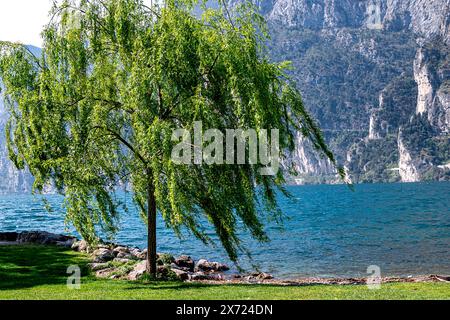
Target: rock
<point>66,244</point>
<point>181,275</point>
<point>138,271</point>
<point>124,255</point>
<point>138,254</point>
<point>121,260</point>
<point>220,267</point>
<point>103,246</point>
<point>185,262</point>
<point>98,266</point>
<point>200,276</point>
<point>81,246</point>
<point>41,237</point>
<point>264,276</point>
<point>205,265</point>
<point>103,255</point>
<point>121,250</point>
<point>105,273</point>
<point>8,236</point>
<point>163,271</point>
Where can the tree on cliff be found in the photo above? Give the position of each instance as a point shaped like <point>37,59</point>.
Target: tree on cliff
<point>98,108</point>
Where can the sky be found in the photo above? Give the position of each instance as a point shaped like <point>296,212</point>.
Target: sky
<point>22,20</point>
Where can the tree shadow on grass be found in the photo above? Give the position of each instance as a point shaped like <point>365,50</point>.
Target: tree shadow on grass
<point>25,266</point>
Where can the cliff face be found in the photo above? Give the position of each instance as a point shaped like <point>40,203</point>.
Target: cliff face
<point>366,69</point>
<point>427,18</point>
<point>11,180</point>
<point>408,165</point>
<point>376,76</point>
<point>432,74</point>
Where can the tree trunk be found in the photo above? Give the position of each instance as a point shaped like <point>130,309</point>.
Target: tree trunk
<point>151,235</point>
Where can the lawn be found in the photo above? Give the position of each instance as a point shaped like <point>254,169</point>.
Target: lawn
<point>39,272</point>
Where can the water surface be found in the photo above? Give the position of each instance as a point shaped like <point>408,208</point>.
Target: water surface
<point>329,231</point>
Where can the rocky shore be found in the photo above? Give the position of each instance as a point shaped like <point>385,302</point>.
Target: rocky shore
<point>115,261</point>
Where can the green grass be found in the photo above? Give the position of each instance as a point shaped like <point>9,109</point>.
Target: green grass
<point>39,272</point>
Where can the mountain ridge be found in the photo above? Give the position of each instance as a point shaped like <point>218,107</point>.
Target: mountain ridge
<point>375,75</point>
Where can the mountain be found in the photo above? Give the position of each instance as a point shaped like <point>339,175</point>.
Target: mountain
<point>11,180</point>
<point>374,73</point>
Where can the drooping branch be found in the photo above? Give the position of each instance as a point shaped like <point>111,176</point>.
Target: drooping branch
<point>124,142</point>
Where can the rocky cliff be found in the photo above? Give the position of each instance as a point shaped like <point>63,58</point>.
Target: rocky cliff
<point>376,76</point>
<point>367,70</point>
<point>11,180</point>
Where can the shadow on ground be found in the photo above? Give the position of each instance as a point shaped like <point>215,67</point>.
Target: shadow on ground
<point>26,266</point>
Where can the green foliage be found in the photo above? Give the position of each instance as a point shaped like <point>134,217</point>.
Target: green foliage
<point>165,259</point>
<point>98,108</point>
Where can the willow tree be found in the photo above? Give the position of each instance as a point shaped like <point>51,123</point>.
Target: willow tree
<point>97,110</point>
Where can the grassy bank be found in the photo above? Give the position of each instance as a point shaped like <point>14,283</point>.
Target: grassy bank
<point>38,272</point>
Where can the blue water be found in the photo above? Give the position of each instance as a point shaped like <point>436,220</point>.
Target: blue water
<point>329,231</point>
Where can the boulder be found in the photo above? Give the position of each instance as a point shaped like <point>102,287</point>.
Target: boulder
<point>181,275</point>
<point>264,276</point>
<point>98,266</point>
<point>103,255</point>
<point>121,250</point>
<point>124,255</point>
<point>8,236</point>
<point>220,267</point>
<point>41,237</point>
<point>205,265</point>
<point>66,244</point>
<point>138,254</point>
<point>138,271</point>
<point>185,263</point>
<point>163,271</point>
<point>200,276</point>
<point>105,273</point>
<point>81,246</point>
<point>121,260</point>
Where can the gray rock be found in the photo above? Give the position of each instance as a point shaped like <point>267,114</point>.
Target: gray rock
<point>121,250</point>
<point>138,271</point>
<point>124,255</point>
<point>121,260</point>
<point>41,237</point>
<point>81,246</point>
<point>98,266</point>
<point>66,244</point>
<point>103,255</point>
<point>205,265</point>
<point>105,273</point>
<point>181,275</point>
<point>138,254</point>
<point>200,276</point>
<point>185,263</point>
<point>264,276</point>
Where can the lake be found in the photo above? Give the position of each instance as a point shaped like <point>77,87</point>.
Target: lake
<point>330,231</point>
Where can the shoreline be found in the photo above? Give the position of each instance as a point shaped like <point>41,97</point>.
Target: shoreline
<point>184,268</point>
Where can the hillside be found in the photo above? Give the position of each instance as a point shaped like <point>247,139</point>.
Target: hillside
<point>376,76</point>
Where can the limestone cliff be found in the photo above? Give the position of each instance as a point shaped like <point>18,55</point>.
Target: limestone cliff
<point>408,165</point>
